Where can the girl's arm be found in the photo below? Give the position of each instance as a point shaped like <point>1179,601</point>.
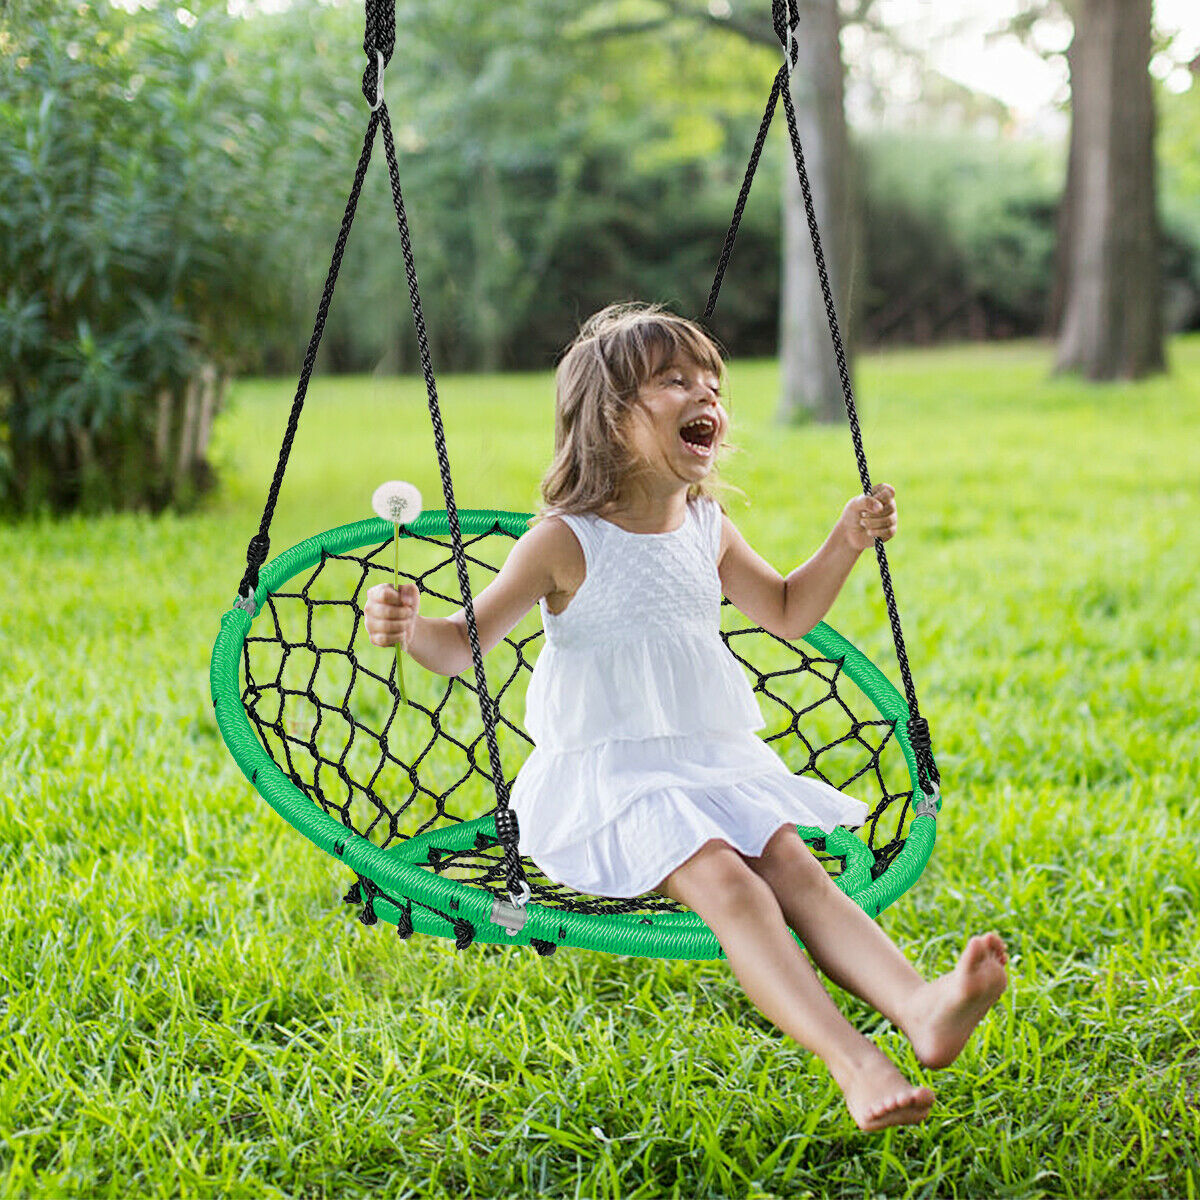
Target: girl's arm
<point>442,644</point>
<point>791,607</point>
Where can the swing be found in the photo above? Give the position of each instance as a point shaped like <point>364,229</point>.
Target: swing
<point>396,790</point>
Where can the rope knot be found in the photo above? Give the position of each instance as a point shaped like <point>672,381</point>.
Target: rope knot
<point>507,829</point>
<point>785,16</point>
<point>367,893</point>
<point>256,555</point>
<point>257,551</point>
<point>379,39</point>
<point>922,744</point>
<point>918,736</point>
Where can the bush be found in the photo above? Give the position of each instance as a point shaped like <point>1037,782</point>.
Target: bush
<point>959,236</point>
<point>132,238</point>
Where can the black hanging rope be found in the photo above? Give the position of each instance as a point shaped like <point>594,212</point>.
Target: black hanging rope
<point>379,41</point>
<point>744,194</point>
<point>785,17</point>
<point>379,35</point>
<point>378,44</point>
<point>260,544</point>
<point>506,819</point>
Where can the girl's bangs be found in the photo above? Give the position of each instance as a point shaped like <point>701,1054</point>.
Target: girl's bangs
<point>664,342</point>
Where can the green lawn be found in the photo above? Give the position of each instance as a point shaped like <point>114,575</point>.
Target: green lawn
<point>188,1008</point>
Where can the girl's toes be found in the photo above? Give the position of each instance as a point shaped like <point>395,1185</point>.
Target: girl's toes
<point>977,950</point>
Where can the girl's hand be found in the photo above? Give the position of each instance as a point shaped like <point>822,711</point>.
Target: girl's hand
<point>391,615</point>
<point>866,518</point>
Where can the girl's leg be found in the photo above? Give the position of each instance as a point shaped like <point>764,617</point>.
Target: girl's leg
<point>740,908</point>
<point>856,954</point>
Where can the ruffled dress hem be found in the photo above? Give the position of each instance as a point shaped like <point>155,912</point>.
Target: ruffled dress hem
<point>672,795</point>
<point>660,831</point>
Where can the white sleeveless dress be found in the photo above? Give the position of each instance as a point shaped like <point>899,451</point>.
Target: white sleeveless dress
<point>643,721</point>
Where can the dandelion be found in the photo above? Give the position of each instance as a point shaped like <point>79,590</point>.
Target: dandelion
<point>400,503</point>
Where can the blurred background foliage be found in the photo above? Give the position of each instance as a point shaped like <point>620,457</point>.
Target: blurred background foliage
<point>172,180</point>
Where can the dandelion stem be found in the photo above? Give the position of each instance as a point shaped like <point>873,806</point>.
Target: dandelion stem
<point>396,584</point>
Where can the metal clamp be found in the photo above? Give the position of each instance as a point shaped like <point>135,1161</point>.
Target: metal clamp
<point>246,602</point>
<point>927,806</point>
<point>378,79</point>
<point>512,916</point>
<point>792,41</point>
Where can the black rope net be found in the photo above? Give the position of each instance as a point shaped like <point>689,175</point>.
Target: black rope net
<point>325,704</point>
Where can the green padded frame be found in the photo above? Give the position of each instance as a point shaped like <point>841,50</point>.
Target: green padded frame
<point>661,935</point>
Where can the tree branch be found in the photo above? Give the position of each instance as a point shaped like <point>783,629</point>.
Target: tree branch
<point>760,34</point>
<point>677,9</point>
<point>628,28</point>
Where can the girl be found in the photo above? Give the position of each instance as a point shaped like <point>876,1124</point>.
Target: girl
<point>647,773</point>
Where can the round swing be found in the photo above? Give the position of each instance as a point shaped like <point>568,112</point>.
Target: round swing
<point>395,788</point>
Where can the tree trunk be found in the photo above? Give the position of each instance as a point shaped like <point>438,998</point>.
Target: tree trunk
<point>162,429</point>
<point>1111,285</point>
<point>156,459</point>
<point>492,245</point>
<point>810,383</point>
<point>187,431</point>
<point>211,399</point>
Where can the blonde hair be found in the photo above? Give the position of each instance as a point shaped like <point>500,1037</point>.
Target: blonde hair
<point>616,351</point>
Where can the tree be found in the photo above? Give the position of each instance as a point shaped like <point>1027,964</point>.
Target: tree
<point>1106,304</point>
<point>810,384</point>
<point>810,381</point>
<point>1111,284</point>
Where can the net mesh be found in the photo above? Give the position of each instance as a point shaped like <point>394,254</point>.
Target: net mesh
<point>325,704</point>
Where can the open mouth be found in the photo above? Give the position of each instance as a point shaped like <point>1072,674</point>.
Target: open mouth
<point>699,436</point>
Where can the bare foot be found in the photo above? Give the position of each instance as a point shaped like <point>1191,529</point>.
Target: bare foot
<point>949,1008</point>
<point>878,1096</point>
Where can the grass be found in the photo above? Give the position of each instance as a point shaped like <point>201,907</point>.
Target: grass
<point>188,1009</point>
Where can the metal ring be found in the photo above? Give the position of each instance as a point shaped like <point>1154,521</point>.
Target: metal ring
<point>378,80</point>
<point>520,899</point>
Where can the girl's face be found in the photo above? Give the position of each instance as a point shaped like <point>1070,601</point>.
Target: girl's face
<point>679,422</point>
